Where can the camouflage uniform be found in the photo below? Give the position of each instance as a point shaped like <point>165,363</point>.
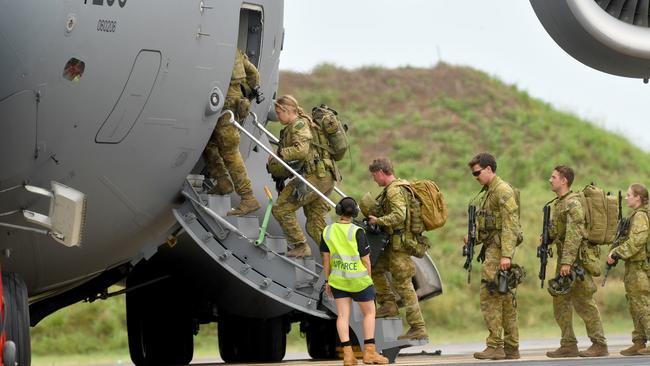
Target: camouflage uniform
<point>637,285</point>
<point>394,260</point>
<point>567,232</point>
<point>498,232</point>
<point>222,150</point>
<point>295,144</point>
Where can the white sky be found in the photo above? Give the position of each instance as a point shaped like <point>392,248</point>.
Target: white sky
<point>503,38</point>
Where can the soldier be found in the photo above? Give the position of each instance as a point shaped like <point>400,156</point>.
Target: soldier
<point>394,260</point>
<point>222,152</point>
<point>637,284</point>
<point>295,144</point>
<point>567,232</point>
<point>499,233</point>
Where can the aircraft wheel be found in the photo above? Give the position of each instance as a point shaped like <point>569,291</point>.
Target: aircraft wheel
<point>252,340</point>
<point>159,324</point>
<point>321,337</point>
<point>17,317</point>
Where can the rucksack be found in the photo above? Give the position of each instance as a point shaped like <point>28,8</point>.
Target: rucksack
<point>601,214</point>
<point>330,127</point>
<point>429,205</point>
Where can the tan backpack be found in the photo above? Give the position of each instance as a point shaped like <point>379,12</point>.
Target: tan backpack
<point>432,211</point>
<point>601,214</point>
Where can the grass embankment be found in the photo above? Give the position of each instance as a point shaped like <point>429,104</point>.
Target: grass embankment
<point>430,122</point>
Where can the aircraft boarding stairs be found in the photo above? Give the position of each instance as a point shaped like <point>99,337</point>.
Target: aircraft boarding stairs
<point>250,255</point>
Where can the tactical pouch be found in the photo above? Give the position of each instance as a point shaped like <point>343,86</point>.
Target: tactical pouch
<point>416,245</point>
<point>321,172</point>
<point>589,255</point>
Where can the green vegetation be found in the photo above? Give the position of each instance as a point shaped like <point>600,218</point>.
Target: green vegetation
<point>430,122</point>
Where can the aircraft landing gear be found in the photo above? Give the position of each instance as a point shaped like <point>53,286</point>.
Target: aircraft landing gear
<point>252,340</point>
<point>321,337</point>
<point>17,348</point>
<point>158,320</point>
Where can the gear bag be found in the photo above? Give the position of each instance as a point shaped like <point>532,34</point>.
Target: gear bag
<point>428,210</point>
<point>335,140</point>
<point>601,214</point>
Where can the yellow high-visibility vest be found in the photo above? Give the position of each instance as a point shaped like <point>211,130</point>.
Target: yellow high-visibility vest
<point>347,272</point>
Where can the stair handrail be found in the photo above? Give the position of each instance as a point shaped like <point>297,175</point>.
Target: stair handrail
<point>271,136</point>
<point>290,169</point>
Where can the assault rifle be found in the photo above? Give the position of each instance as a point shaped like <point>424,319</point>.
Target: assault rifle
<point>468,249</point>
<point>543,250</point>
<point>621,235</point>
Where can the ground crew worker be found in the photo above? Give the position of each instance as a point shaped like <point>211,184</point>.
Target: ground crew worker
<point>346,264</point>
<point>391,218</point>
<point>499,233</point>
<point>295,145</point>
<point>567,232</point>
<point>222,152</point>
<point>637,282</point>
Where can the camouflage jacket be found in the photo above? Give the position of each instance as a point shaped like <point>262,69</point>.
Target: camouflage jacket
<point>498,218</point>
<point>634,247</point>
<point>567,229</point>
<point>392,207</point>
<point>244,77</point>
<point>295,141</point>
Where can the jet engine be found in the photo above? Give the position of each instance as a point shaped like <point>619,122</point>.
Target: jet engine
<point>612,36</point>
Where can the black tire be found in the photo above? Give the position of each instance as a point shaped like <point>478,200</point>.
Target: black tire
<point>159,324</point>
<point>252,340</point>
<point>17,316</point>
<point>321,337</point>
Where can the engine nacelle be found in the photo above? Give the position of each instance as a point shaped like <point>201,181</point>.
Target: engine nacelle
<point>608,35</point>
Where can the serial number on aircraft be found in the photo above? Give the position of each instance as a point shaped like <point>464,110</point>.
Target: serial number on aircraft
<point>106,25</point>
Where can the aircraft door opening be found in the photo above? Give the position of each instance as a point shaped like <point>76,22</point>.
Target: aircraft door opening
<point>251,24</point>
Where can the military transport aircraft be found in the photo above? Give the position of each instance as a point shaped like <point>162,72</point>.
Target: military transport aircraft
<point>105,109</point>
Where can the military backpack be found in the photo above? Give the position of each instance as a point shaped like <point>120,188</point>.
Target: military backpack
<point>330,135</point>
<point>426,211</point>
<point>601,214</point>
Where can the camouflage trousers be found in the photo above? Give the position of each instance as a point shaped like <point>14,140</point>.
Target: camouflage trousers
<point>222,152</point>
<point>401,268</point>
<point>314,207</point>
<point>580,298</point>
<point>499,310</point>
<point>637,289</point>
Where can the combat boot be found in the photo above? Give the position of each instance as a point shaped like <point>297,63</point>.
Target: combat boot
<point>595,350</point>
<point>222,187</point>
<point>512,353</point>
<point>633,350</point>
<point>300,250</point>
<point>415,333</point>
<point>348,356</point>
<point>370,355</point>
<point>643,351</point>
<point>491,353</point>
<point>387,309</point>
<point>247,205</point>
<point>564,351</point>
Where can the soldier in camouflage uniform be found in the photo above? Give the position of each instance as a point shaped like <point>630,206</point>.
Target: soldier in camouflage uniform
<point>567,232</point>
<point>295,144</point>
<point>637,281</point>
<point>391,217</point>
<point>499,233</point>
<point>222,152</point>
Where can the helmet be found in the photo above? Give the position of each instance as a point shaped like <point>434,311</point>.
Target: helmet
<point>508,280</point>
<point>368,205</point>
<point>561,285</point>
<point>277,170</point>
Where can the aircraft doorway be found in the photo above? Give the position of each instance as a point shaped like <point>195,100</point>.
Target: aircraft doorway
<point>251,24</point>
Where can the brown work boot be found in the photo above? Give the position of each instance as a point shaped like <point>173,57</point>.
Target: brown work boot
<point>222,186</point>
<point>512,353</point>
<point>644,351</point>
<point>564,351</point>
<point>415,333</point>
<point>387,309</point>
<point>300,250</point>
<point>370,355</point>
<point>348,356</point>
<point>595,350</point>
<point>246,205</point>
<point>491,353</point>
<point>633,350</point>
